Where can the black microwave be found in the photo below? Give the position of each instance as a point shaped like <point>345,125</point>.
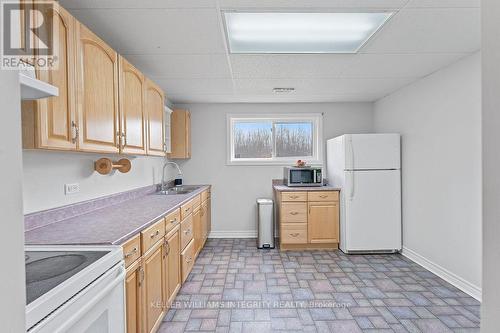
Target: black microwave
<point>306,176</point>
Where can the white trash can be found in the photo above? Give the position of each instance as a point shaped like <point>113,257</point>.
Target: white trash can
<point>265,221</point>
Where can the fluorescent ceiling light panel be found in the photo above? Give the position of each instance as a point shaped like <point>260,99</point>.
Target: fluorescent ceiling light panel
<point>301,32</point>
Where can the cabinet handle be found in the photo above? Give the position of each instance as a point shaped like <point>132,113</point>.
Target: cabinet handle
<point>131,253</point>
<point>323,196</point>
<point>124,140</point>
<point>153,235</point>
<point>118,140</point>
<point>294,213</point>
<point>295,234</point>
<point>187,231</point>
<point>187,209</point>
<point>294,196</point>
<point>141,275</point>
<point>174,220</point>
<point>77,132</point>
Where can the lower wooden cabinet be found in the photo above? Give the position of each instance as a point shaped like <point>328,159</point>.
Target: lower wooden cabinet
<point>187,259</point>
<point>308,219</point>
<point>197,229</point>
<point>158,260</point>
<point>172,265</point>
<point>323,222</point>
<point>153,284</point>
<point>133,296</point>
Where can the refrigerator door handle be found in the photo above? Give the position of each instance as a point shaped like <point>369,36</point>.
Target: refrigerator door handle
<point>351,151</point>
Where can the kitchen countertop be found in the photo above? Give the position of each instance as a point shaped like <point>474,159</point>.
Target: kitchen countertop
<point>278,186</point>
<point>113,224</point>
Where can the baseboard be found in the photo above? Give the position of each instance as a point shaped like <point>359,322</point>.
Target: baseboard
<point>233,234</point>
<point>443,273</point>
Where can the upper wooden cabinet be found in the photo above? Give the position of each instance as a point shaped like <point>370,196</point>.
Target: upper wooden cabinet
<point>132,114</point>
<point>155,112</point>
<point>180,134</point>
<point>50,123</point>
<point>105,104</point>
<point>97,93</point>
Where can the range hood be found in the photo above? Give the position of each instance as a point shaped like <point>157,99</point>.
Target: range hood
<point>32,88</point>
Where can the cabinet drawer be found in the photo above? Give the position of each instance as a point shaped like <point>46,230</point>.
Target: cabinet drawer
<point>187,260</point>
<point>294,233</point>
<point>323,196</point>
<point>132,250</point>
<point>294,212</point>
<point>172,220</point>
<point>186,209</point>
<point>293,196</point>
<point>186,231</point>
<point>205,195</point>
<point>152,235</point>
<point>196,201</point>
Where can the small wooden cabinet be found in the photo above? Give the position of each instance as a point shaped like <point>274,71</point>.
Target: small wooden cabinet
<point>153,287</point>
<point>132,113</point>
<point>155,113</point>
<point>323,222</point>
<point>133,296</point>
<point>198,229</point>
<point>97,93</point>
<point>180,134</point>
<point>51,123</point>
<point>308,219</point>
<point>172,265</point>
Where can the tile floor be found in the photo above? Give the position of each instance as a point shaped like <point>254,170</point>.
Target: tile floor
<point>235,287</point>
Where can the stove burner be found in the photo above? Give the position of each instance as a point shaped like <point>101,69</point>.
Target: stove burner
<point>50,267</point>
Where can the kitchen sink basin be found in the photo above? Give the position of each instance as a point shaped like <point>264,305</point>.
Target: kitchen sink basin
<point>179,190</point>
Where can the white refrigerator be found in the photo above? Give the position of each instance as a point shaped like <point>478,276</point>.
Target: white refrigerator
<point>367,168</point>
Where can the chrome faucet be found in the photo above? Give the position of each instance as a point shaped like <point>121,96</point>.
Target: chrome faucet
<point>163,185</point>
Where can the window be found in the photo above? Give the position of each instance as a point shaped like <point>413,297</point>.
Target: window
<point>280,139</point>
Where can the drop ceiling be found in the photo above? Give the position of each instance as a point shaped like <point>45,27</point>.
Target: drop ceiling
<point>181,45</point>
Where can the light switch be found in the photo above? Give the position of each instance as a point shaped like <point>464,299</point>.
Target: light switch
<point>71,188</point>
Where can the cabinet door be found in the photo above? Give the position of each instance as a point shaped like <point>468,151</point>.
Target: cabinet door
<point>323,222</point>
<point>155,126</point>
<point>133,297</point>
<point>204,222</point>
<point>180,134</point>
<point>153,287</point>
<point>132,115</point>
<point>197,229</point>
<point>52,123</point>
<point>97,97</point>
<point>209,215</point>
<point>173,265</point>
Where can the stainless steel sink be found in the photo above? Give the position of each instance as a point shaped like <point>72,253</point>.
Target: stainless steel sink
<point>179,190</point>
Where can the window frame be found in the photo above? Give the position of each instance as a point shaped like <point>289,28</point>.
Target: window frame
<point>317,127</point>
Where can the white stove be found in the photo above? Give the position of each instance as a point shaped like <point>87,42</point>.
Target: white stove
<point>74,289</point>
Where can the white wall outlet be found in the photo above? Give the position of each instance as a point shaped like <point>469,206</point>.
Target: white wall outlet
<point>71,188</point>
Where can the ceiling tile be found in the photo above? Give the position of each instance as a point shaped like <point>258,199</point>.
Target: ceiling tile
<point>289,65</point>
<point>196,86</point>
<point>398,65</point>
<point>73,4</point>
<point>455,30</point>
<point>312,4</point>
<point>443,3</point>
<point>321,86</point>
<point>182,66</point>
<point>156,31</point>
